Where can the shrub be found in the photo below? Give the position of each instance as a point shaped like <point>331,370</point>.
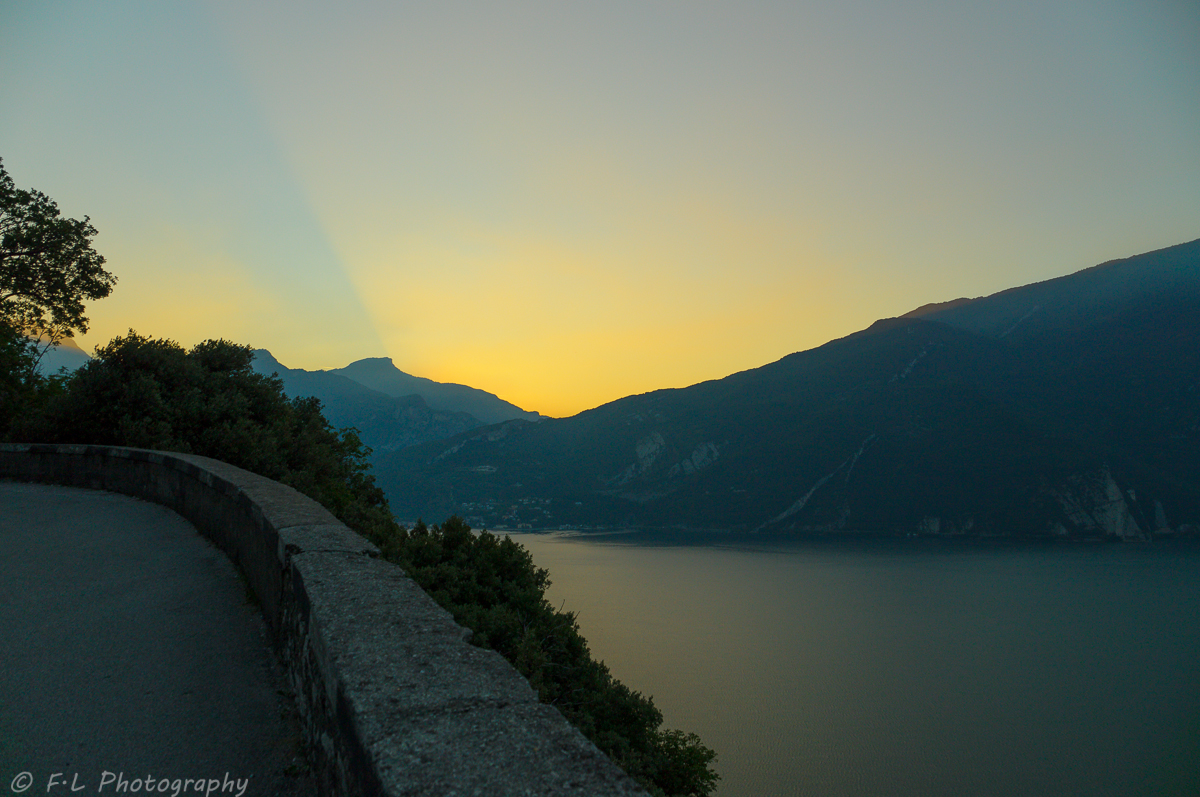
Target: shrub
<point>491,585</point>
<point>209,401</point>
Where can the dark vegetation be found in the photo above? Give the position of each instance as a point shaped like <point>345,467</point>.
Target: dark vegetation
<point>150,393</point>
<point>48,267</point>
<point>153,394</point>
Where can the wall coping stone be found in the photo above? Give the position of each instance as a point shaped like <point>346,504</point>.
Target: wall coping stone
<point>393,698</point>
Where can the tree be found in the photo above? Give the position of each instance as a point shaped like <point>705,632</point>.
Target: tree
<point>492,586</point>
<point>48,267</point>
<point>18,375</point>
<point>149,393</point>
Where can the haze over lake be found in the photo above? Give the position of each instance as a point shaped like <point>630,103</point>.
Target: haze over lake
<point>903,668</point>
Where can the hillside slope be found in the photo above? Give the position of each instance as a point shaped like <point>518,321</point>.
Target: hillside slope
<point>385,423</point>
<point>1079,418</point>
<point>379,373</point>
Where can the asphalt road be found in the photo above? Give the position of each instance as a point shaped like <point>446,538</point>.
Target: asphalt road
<point>129,650</point>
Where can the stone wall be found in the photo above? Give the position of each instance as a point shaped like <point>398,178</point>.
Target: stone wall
<point>393,698</point>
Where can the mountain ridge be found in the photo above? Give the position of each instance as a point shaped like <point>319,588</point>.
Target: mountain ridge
<point>1079,419</point>
<point>384,423</point>
<point>381,374</point>
<point>64,354</point>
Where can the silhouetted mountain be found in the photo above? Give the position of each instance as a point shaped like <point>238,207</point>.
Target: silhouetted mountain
<point>1069,408</point>
<point>66,354</point>
<point>385,423</point>
<point>379,373</point>
<point>934,307</point>
<point>1077,301</point>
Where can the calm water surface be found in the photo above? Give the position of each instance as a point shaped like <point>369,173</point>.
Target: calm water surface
<point>903,669</point>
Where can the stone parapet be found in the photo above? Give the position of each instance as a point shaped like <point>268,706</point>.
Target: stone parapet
<point>393,698</point>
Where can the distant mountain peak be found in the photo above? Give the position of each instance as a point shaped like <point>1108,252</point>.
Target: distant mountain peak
<point>380,373</point>
<point>385,423</point>
<point>374,362</point>
<point>263,360</point>
<point>65,354</point>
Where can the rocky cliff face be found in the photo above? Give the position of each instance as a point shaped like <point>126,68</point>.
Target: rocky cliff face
<point>1095,504</point>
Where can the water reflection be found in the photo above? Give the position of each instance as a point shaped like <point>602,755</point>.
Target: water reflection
<point>893,668</point>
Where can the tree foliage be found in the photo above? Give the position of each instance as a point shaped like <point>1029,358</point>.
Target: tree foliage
<point>18,374</point>
<point>48,267</point>
<point>153,394</point>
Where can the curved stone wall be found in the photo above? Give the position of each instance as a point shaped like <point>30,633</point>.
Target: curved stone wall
<point>393,698</point>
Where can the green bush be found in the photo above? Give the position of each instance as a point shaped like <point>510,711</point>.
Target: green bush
<point>17,376</point>
<point>153,394</point>
<point>23,390</point>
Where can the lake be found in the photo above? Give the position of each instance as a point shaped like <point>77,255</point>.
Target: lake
<point>901,668</point>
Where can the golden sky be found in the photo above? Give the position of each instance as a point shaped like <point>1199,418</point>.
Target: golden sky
<point>566,203</point>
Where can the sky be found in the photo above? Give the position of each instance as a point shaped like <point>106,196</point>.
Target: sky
<point>564,203</point>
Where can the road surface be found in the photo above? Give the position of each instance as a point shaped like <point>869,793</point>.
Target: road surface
<point>131,652</point>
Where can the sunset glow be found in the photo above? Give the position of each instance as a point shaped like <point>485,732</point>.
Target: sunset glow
<point>564,204</point>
